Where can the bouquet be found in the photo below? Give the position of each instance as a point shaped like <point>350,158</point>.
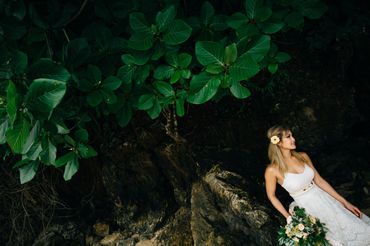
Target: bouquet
<point>303,230</point>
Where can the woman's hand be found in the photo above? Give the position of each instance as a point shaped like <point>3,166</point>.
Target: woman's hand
<point>289,219</point>
<point>352,208</point>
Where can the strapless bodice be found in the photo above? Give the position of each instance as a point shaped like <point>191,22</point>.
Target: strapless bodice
<point>294,182</point>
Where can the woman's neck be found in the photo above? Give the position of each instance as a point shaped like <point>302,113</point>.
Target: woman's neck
<point>287,154</point>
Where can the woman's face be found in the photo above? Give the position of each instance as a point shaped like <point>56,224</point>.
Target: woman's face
<point>287,141</point>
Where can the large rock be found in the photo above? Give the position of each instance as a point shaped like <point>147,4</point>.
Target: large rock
<point>224,214</point>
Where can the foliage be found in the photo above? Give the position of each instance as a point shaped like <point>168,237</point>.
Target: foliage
<point>64,65</point>
<point>303,230</point>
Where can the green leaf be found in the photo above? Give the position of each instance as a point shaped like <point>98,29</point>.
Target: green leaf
<point>282,57</point>
<point>141,41</point>
<point>28,171</point>
<point>135,59</point>
<point>34,133</point>
<point>82,135</point>
<point>260,48</point>
<point>77,52</point>
<point>250,8</point>
<point>138,23</point>
<point>61,127</point>
<point>164,88</point>
<point>231,53</point>
<point>155,110</point>
<point>184,60</point>
<point>272,27</point>
<point>214,69</point>
<point>11,106</point>
<point>3,128</point>
<point>247,31</point>
<point>18,61</point>
<point>109,97</point>
<point>208,52</point>
<point>34,151</point>
<point>202,88</point>
<point>71,168</point>
<point>207,12</point>
<point>16,137</point>
<point>111,83</point>
<point>64,159</point>
<point>35,17</point>
<point>178,32</point>
<point>163,72</point>
<point>262,14</point>
<point>45,94</point>
<point>244,68</point>
<point>219,23</point>
<point>94,98</point>
<point>294,19</point>
<point>124,115</point>
<point>49,152</point>
<point>165,18</point>
<point>146,102</point>
<point>313,9</point>
<point>86,151</point>
<point>46,68</point>
<point>273,67</point>
<point>175,77</point>
<point>239,91</point>
<point>180,110</point>
<point>126,73</point>
<point>236,20</point>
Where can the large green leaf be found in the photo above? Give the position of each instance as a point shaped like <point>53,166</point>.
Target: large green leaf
<point>146,101</point>
<point>282,57</point>
<point>46,68</point>
<point>244,68</point>
<point>94,98</point>
<point>28,171</point>
<point>165,18</point>
<point>272,27</point>
<point>208,52</point>
<point>155,110</point>
<point>178,32</point>
<point>239,91</point>
<point>236,20</point>
<point>111,83</point>
<point>203,87</point>
<point>82,135</point>
<point>45,94</point>
<point>135,59</point>
<point>164,88</point>
<point>313,9</point>
<point>71,168</point>
<point>35,151</point>
<point>34,133</point>
<point>11,105</point>
<point>260,48</point>
<point>138,22</point>
<point>163,72</point>
<point>16,136</point>
<point>64,159</point>
<point>262,13</point>
<point>180,110</point>
<point>49,152</point>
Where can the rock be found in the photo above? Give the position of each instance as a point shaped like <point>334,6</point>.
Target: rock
<point>145,243</point>
<point>224,214</point>
<point>110,240</point>
<point>101,229</point>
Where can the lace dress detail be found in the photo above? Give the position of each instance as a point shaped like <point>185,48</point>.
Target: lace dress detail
<point>344,228</point>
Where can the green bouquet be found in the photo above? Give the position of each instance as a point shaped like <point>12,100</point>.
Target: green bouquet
<point>303,230</point>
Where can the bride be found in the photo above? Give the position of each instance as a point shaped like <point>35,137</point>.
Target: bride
<point>295,172</point>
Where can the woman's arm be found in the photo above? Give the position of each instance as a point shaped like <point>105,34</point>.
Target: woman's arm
<point>270,181</point>
<point>324,185</point>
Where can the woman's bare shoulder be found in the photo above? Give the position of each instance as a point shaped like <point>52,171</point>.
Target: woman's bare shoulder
<point>271,169</point>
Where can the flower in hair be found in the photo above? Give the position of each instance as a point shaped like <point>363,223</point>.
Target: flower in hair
<point>274,139</point>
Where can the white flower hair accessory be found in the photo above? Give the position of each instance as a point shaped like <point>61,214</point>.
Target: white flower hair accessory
<point>274,139</point>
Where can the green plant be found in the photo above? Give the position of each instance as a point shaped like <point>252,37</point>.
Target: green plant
<point>62,69</point>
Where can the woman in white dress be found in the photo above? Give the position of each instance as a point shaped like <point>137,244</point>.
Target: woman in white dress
<point>294,171</point>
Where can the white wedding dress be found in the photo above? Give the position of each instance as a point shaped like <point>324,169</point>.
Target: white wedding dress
<point>344,228</point>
